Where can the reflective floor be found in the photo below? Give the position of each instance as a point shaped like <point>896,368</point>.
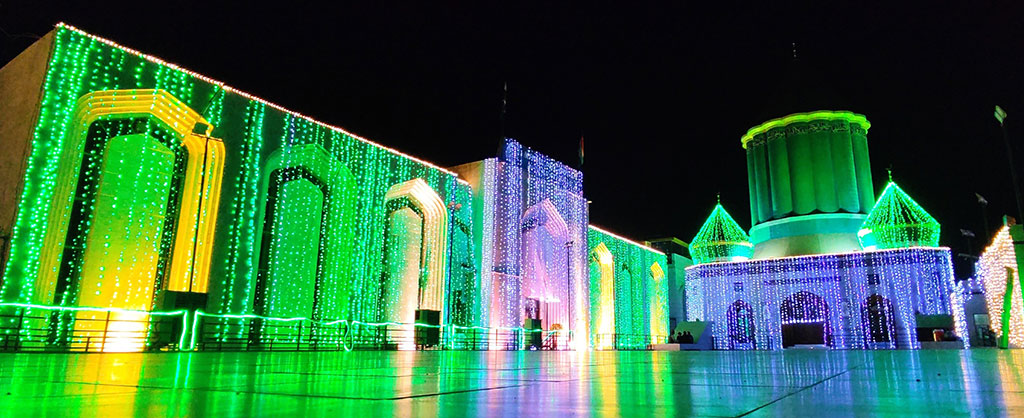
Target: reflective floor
<point>984,382</point>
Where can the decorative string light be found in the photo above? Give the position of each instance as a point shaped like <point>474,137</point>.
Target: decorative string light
<point>897,221</point>
<point>997,262</point>
<point>860,299</point>
<point>720,239</point>
<point>348,178</point>
<point>628,290</point>
<point>533,225</point>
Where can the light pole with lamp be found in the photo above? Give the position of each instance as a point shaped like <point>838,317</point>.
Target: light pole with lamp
<point>452,207</point>
<point>1000,115</point>
<point>568,285</point>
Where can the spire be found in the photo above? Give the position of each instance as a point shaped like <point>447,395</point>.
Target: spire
<point>897,221</point>
<point>720,239</point>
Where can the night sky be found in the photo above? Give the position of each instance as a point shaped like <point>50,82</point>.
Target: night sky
<point>661,93</point>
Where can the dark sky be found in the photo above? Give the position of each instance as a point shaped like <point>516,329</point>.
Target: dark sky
<point>661,93</point>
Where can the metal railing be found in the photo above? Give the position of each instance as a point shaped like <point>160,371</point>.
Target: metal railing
<point>29,327</point>
<point>628,341</point>
<point>216,332</point>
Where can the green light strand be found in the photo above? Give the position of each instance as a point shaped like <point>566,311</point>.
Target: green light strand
<point>720,239</point>
<point>897,221</point>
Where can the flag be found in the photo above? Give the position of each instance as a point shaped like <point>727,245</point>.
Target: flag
<point>581,150</point>
<point>981,200</point>
<point>967,233</point>
<point>1000,114</point>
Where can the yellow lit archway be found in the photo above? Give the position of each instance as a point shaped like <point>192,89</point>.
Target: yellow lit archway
<point>659,302</point>
<point>604,312</point>
<point>121,271</point>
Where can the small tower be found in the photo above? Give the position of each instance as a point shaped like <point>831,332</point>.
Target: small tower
<point>720,239</point>
<point>897,221</point>
<point>810,183</point>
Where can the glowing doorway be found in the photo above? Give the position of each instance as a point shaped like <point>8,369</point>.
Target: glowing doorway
<point>603,297</point>
<point>414,257</point>
<point>132,215</point>
<point>546,266</point>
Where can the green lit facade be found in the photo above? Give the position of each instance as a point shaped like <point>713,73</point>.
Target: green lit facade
<point>310,221</point>
<point>633,276</point>
<point>809,177</point>
<point>156,208</point>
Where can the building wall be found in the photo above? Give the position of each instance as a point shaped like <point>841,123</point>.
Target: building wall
<point>21,83</point>
<point>256,137</point>
<point>522,191</point>
<point>914,280</point>
<point>677,265</point>
<point>997,266</point>
<point>640,288</point>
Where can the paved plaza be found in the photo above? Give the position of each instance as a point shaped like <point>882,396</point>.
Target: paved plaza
<point>985,382</point>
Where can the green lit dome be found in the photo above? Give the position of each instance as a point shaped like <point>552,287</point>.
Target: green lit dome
<point>720,239</point>
<point>897,221</point>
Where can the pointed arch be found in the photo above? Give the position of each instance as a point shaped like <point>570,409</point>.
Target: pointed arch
<point>878,322</point>
<point>658,302</point>
<point>742,330</point>
<point>805,320</point>
<point>149,194</point>
<point>192,247</point>
<point>603,302</point>
<point>545,236</point>
<point>306,200</point>
<point>418,194</point>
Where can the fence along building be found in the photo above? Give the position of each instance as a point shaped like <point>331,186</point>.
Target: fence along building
<point>150,207</point>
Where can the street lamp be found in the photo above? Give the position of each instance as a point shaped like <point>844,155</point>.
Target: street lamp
<point>568,283</point>
<point>1000,115</point>
<point>452,207</point>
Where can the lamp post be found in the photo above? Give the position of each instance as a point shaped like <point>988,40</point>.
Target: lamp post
<point>452,207</point>
<point>1000,115</point>
<point>568,283</point>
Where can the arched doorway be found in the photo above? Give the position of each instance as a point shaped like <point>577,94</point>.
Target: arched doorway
<point>602,301</point>
<point>631,321</point>
<point>293,243</point>
<point>413,259</point>
<point>877,320</point>
<point>659,304</point>
<point>134,205</point>
<point>303,242</point>
<point>463,293</point>
<point>741,329</point>
<point>805,320</point>
<point>545,266</point>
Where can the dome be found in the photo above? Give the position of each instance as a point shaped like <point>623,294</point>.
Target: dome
<point>897,221</point>
<point>720,239</point>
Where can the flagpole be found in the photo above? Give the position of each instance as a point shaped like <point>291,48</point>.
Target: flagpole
<point>1001,117</point>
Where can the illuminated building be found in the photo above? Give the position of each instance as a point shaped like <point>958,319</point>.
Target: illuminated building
<point>628,292</point>
<point>999,277</point>
<point>150,206</point>
<point>824,263</point>
<point>532,226</point>
<point>677,259</point>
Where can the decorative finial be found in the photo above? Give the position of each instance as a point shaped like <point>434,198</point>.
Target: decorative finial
<point>794,50</point>
<point>718,198</point>
<point>890,173</point>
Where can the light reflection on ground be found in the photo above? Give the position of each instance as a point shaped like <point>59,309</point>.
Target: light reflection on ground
<point>822,383</point>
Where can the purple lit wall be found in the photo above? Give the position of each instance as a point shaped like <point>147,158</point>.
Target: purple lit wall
<point>854,300</point>
<point>532,234</point>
